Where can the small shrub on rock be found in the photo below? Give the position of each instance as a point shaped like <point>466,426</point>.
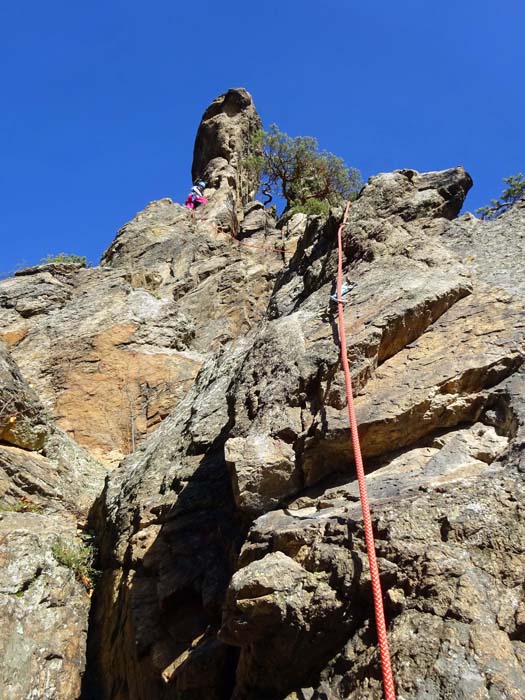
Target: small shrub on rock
<point>78,557</point>
<point>66,258</point>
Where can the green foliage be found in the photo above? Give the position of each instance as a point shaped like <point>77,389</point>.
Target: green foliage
<point>78,557</point>
<point>316,206</point>
<point>64,258</point>
<point>293,168</point>
<point>23,505</point>
<point>310,207</point>
<point>514,192</point>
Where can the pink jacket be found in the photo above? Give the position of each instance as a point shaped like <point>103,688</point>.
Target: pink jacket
<point>193,199</point>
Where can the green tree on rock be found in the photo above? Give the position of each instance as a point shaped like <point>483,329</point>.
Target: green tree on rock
<point>294,169</point>
<point>514,193</point>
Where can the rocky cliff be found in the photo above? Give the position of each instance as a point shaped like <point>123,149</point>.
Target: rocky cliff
<point>231,547</point>
<point>47,485</point>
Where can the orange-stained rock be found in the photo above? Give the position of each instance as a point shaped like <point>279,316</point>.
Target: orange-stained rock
<point>112,350</point>
<point>116,395</point>
<point>13,337</point>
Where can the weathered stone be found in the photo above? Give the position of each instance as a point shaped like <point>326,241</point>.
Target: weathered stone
<point>438,382</point>
<point>432,351</point>
<point>257,218</point>
<point>263,472</point>
<point>494,250</point>
<point>114,359</point>
<point>223,142</point>
<point>44,610</point>
<point>269,603</point>
<point>168,555</point>
<point>49,287</point>
<point>22,419</point>
<point>232,549</point>
<point>44,496</point>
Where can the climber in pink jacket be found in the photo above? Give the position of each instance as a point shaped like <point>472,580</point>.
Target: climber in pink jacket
<point>195,198</point>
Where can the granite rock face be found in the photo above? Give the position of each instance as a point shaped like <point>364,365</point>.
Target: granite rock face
<point>47,484</point>
<point>22,419</point>
<point>237,525</point>
<point>111,350</point>
<point>494,250</point>
<point>224,141</point>
<point>232,555</point>
<point>102,356</point>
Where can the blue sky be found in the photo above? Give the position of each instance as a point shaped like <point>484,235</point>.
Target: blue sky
<point>101,100</point>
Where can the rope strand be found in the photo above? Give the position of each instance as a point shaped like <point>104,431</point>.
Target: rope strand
<point>386,666</point>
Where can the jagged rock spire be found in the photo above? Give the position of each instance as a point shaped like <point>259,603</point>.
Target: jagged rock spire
<point>224,140</point>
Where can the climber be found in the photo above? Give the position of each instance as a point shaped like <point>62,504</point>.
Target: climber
<point>195,198</point>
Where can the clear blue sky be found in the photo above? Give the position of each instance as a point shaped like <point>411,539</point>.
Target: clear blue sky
<point>101,100</point>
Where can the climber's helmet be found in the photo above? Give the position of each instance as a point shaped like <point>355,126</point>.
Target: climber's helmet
<point>201,184</point>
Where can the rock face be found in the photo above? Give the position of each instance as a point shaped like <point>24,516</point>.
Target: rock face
<point>494,250</point>
<point>108,351</point>
<point>232,552</point>
<point>47,484</point>
<point>111,350</point>
<point>237,524</point>
<point>224,141</point>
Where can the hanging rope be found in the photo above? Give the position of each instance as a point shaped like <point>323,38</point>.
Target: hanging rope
<point>382,638</point>
<point>386,666</point>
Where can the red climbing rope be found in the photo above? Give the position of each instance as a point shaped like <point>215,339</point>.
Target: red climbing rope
<point>386,666</point>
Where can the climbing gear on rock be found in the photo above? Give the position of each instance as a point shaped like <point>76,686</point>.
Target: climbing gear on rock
<point>386,666</point>
<point>345,289</point>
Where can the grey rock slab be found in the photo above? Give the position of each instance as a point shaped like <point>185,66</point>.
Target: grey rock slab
<point>44,610</point>
<point>493,250</point>
<point>263,471</point>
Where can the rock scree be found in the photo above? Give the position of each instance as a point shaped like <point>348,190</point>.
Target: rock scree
<point>184,402</point>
